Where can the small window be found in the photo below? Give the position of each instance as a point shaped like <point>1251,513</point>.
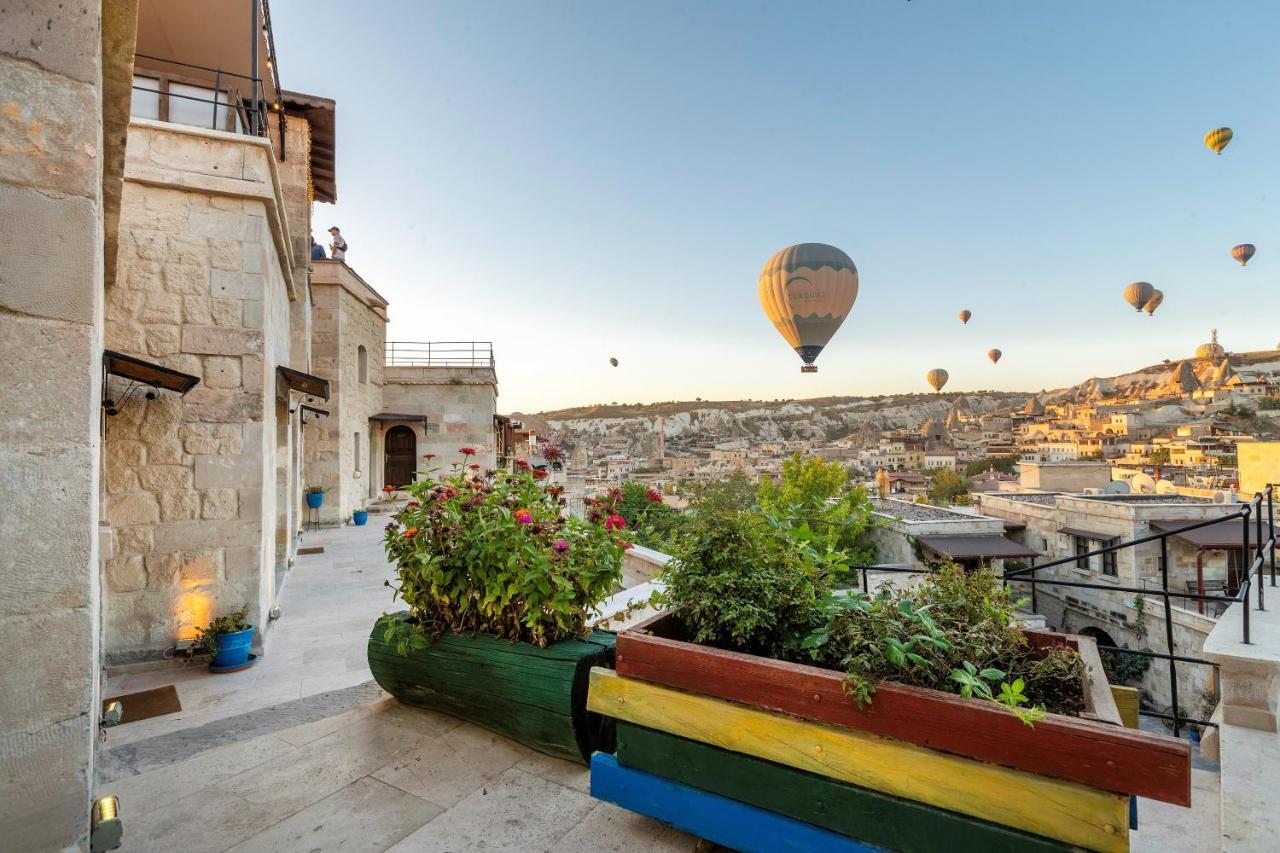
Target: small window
<point>362,361</point>
<point>1109,560</point>
<point>145,102</point>
<point>1082,548</point>
<point>356,435</point>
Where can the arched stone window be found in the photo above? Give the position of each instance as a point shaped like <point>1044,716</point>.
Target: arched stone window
<point>362,360</point>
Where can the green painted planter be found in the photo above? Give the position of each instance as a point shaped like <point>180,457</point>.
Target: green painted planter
<point>535,696</point>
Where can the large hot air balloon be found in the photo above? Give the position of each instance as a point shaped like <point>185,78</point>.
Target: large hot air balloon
<point>1244,252</point>
<point>937,378</point>
<point>614,362</point>
<point>806,290</point>
<point>1150,306</point>
<point>1137,294</point>
<point>965,315</point>
<point>994,355</point>
<point>1218,138</point>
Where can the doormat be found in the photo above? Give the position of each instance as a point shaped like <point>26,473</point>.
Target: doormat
<point>147,703</point>
<point>318,549</point>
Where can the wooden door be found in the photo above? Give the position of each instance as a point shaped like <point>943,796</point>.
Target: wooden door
<point>400,460</point>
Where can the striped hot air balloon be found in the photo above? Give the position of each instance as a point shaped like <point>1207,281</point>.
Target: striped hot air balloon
<point>965,315</point>
<point>937,378</point>
<point>1138,293</point>
<point>1243,252</point>
<point>806,291</point>
<point>1218,138</point>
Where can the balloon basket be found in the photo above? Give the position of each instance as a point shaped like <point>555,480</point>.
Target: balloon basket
<point>809,368</point>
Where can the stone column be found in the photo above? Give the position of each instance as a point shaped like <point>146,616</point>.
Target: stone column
<point>51,279</point>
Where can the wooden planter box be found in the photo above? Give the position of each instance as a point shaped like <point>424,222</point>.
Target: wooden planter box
<point>534,696</point>
<point>931,759</point>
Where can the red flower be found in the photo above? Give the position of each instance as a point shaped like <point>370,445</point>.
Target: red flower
<point>428,456</point>
<point>412,505</point>
<point>410,533</point>
<point>615,522</point>
<point>521,465</point>
<point>388,489</point>
<point>523,516</point>
<point>474,466</point>
<point>539,474</point>
<point>467,451</point>
<point>653,496</point>
<point>555,491</point>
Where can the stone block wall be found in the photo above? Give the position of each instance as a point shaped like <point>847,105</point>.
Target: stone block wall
<point>459,404</point>
<point>51,276</point>
<point>192,485</point>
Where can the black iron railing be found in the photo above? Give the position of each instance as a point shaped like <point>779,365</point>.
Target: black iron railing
<point>1263,557</point>
<point>439,354</point>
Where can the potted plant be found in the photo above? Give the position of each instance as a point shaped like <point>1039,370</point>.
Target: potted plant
<point>315,496</point>
<point>856,715</point>
<point>360,517</point>
<point>227,639</point>
<point>499,585</point>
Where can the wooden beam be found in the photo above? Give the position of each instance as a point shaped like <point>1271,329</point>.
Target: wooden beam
<point>889,822</point>
<point>1110,758</point>
<point>726,822</point>
<point>1065,811</point>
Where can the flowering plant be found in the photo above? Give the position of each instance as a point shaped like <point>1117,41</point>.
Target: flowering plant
<point>492,552</point>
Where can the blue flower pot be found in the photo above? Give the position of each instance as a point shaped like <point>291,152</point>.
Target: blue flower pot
<point>360,517</point>
<point>315,499</point>
<point>233,649</point>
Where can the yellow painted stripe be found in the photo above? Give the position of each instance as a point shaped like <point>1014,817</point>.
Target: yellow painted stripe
<point>1061,810</point>
<point>1126,699</point>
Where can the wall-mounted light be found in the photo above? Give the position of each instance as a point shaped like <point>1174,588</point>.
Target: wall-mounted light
<point>112,713</point>
<point>107,831</point>
<point>274,613</point>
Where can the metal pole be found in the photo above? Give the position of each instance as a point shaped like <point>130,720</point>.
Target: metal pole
<point>1244,555</point>
<point>254,27</point>
<point>1271,532</point>
<point>1035,607</point>
<point>1168,631</point>
<point>217,87</point>
<point>1257,499</point>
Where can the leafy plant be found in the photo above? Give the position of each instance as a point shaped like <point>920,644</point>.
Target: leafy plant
<point>652,521</point>
<point>492,552</point>
<point>740,580</point>
<point>317,490</point>
<point>932,637</point>
<point>230,624</point>
<point>948,487</point>
<point>817,493</point>
<point>1124,667</point>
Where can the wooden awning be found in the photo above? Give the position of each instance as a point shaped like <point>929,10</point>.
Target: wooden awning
<point>303,383</point>
<point>146,373</point>
<point>392,416</point>
<point>979,546</point>
<point>1223,536</point>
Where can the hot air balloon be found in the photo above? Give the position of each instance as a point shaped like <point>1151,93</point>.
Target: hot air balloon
<point>614,362</point>
<point>806,291</point>
<point>1157,296</point>
<point>1137,294</point>
<point>1218,138</point>
<point>937,378</point>
<point>994,355</point>
<point>965,315</point>
<point>1244,252</point>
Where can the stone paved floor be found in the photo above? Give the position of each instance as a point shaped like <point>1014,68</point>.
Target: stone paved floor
<point>304,753</point>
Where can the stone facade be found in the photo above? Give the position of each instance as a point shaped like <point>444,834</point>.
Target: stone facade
<point>59,174</point>
<point>348,317</point>
<point>458,402</point>
<point>198,490</point>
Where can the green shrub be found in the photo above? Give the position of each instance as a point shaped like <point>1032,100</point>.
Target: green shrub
<point>492,553</point>
<point>954,633</point>
<point>237,620</point>
<point>741,581</point>
<point>815,493</point>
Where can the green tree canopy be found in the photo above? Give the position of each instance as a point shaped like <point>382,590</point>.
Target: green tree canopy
<point>947,487</point>
<point>1003,464</point>
<point>816,494</point>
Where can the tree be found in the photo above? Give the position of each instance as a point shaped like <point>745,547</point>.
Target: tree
<point>651,519</point>
<point>1003,464</point>
<point>816,494</point>
<point>727,495</point>
<point>947,487</point>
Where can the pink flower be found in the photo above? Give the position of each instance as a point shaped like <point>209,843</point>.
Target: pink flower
<point>523,516</point>
<point>615,522</point>
<point>561,545</point>
<point>653,496</point>
<point>467,451</point>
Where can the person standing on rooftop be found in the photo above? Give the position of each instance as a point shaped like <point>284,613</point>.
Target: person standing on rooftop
<point>338,248</point>
<point>317,251</point>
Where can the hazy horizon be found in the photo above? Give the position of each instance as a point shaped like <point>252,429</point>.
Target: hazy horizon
<point>577,182</point>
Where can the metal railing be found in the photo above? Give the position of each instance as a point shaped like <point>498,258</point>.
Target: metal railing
<point>1264,555</point>
<point>439,354</point>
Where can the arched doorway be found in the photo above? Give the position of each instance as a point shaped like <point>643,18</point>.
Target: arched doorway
<point>401,447</point>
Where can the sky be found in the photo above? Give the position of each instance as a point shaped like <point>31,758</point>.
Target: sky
<point>575,181</point>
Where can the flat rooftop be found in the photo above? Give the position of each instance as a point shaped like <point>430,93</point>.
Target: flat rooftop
<point>908,511</point>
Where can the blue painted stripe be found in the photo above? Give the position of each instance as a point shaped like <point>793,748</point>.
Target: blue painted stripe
<point>715,818</point>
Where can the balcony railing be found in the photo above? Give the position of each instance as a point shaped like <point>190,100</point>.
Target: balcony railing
<point>439,354</point>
